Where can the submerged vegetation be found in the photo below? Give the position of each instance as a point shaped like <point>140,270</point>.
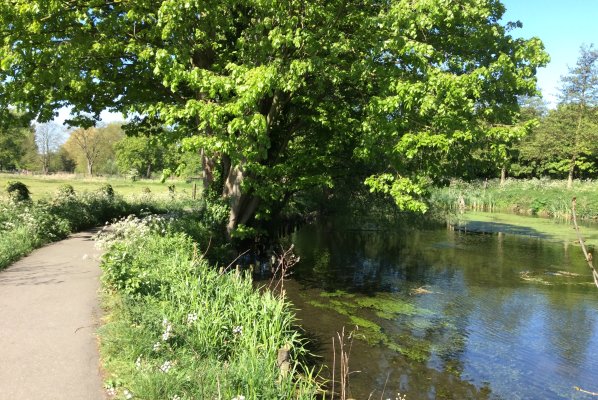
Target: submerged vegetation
<point>370,315</point>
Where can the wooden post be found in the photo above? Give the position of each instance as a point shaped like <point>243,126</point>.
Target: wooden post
<point>194,190</point>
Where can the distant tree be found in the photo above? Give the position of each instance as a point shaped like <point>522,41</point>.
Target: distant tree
<point>579,101</point>
<point>94,147</point>
<point>48,137</point>
<point>139,153</point>
<point>63,161</point>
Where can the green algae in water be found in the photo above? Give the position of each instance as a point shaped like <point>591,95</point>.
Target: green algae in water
<point>387,307</point>
<point>338,293</point>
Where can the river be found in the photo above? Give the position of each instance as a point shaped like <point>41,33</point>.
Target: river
<point>501,307</point>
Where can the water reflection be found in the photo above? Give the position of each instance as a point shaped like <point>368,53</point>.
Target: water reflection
<point>452,314</point>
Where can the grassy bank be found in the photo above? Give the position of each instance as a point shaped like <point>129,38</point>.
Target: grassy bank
<point>46,185</point>
<point>543,197</point>
<point>177,328</point>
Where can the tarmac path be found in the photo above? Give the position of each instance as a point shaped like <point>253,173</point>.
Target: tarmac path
<point>49,313</point>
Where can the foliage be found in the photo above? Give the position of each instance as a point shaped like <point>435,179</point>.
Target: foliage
<point>143,155</point>
<point>16,145</point>
<point>18,191</point>
<point>279,96</point>
<point>565,141</point>
<point>65,190</point>
<point>181,329</point>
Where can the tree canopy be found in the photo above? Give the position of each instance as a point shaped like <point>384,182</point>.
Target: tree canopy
<point>279,95</point>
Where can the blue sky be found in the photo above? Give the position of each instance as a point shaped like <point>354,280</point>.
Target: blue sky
<point>563,26</point>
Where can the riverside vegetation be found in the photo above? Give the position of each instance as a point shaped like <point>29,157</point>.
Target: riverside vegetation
<point>543,197</point>
<point>178,328</point>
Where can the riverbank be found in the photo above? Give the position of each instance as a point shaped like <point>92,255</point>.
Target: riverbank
<point>177,327</point>
<point>543,197</point>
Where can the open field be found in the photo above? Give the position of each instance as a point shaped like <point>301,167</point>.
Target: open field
<point>46,185</point>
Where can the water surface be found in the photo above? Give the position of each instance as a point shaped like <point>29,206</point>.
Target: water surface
<point>493,309</point>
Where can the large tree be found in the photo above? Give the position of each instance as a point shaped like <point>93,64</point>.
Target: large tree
<point>143,155</point>
<point>93,148</point>
<point>279,95</point>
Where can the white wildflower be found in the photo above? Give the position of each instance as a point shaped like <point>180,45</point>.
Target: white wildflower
<point>166,366</point>
<point>128,395</point>
<point>176,397</point>
<point>157,346</point>
<point>237,330</point>
<point>167,332</point>
<point>111,391</point>
<point>239,397</point>
<point>138,361</point>
<point>191,318</point>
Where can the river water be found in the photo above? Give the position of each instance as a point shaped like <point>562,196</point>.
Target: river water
<point>488,310</point>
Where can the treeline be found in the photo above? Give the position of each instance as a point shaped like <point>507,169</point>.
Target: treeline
<point>561,142</point>
<point>104,150</point>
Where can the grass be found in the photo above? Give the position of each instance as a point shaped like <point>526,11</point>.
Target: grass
<point>46,185</point>
<point>176,328</point>
<point>543,197</point>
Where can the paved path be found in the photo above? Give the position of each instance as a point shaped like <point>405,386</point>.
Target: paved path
<point>49,312</point>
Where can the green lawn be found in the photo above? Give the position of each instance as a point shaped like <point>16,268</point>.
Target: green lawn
<point>46,185</point>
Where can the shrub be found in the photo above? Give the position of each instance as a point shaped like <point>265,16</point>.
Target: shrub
<point>18,191</point>
<point>65,190</point>
<point>106,190</point>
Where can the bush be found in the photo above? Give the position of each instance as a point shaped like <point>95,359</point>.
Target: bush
<point>18,191</point>
<point>65,190</point>
<point>106,190</point>
<point>25,225</point>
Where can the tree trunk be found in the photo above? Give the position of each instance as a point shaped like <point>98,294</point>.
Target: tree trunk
<point>503,175</point>
<point>89,168</point>
<point>242,205</point>
<point>207,164</point>
<point>148,172</point>
<point>571,171</point>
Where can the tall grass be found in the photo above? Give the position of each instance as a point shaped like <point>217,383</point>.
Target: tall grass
<point>543,197</point>
<point>179,329</point>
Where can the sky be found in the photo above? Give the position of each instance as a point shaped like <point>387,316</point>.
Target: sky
<point>563,26</point>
